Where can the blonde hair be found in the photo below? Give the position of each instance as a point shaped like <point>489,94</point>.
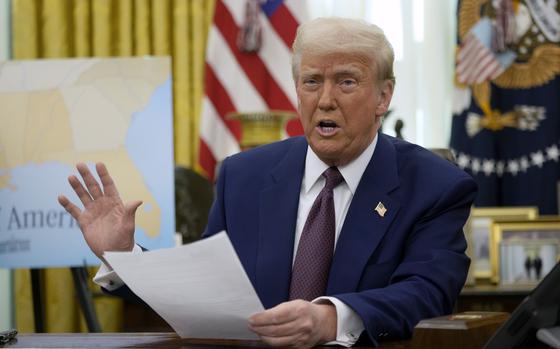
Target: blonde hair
<point>333,35</point>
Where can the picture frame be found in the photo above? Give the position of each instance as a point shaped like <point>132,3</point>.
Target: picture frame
<point>522,252</point>
<point>524,263</point>
<point>478,230</point>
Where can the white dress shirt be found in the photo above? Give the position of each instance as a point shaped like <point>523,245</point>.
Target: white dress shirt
<point>349,324</point>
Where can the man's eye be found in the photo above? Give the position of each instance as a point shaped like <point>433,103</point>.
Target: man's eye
<point>348,82</point>
<point>310,84</point>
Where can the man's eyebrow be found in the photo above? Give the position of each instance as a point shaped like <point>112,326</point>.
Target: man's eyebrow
<point>310,74</point>
<point>348,71</point>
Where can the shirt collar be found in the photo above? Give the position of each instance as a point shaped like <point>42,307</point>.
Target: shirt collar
<point>352,172</point>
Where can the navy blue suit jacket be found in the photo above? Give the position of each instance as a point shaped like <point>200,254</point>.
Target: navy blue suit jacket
<point>393,270</point>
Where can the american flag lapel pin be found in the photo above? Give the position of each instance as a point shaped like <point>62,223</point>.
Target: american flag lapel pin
<point>381,209</point>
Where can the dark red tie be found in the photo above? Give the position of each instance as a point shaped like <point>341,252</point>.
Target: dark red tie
<point>310,271</point>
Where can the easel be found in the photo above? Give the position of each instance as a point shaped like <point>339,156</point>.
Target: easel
<point>80,276</point>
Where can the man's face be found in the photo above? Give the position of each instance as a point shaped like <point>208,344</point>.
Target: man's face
<point>340,102</point>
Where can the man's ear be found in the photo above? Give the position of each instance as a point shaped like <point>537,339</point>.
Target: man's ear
<point>385,94</point>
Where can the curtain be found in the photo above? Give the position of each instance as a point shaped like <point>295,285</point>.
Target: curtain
<point>110,28</point>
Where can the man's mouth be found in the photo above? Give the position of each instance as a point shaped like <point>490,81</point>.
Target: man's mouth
<point>327,128</point>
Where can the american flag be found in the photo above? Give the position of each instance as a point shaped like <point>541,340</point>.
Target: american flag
<point>237,80</point>
<point>476,62</point>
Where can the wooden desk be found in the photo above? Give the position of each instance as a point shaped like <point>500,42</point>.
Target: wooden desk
<point>491,298</point>
<point>140,340</point>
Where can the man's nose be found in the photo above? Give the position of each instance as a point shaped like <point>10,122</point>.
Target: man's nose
<point>327,99</point>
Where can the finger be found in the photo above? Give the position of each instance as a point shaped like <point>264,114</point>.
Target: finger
<point>91,184</point>
<point>282,313</point>
<point>286,329</point>
<point>109,187</point>
<point>69,207</point>
<point>79,189</point>
<point>131,207</point>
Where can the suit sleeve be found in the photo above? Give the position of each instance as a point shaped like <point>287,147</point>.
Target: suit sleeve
<point>431,274</point>
<point>217,217</point>
<point>123,291</point>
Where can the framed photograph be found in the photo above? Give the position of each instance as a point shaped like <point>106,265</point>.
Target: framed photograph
<point>522,252</point>
<point>526,262</point>
<point>478,230</point>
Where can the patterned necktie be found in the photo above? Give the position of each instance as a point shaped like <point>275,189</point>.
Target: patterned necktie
<point>313,259</point>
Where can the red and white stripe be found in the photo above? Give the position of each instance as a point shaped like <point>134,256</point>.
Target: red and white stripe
<point>476,63</point>
<point>236,81</point>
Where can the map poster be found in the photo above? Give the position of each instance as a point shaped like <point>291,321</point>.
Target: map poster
<point>56,113</point>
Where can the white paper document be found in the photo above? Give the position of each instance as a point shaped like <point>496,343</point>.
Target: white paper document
<point>200,289</point>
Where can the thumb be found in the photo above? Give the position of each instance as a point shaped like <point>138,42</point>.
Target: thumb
<point>132,206</point>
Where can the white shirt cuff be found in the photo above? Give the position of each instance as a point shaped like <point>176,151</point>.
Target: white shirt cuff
<point>107,278</point>
<point>349,325</point>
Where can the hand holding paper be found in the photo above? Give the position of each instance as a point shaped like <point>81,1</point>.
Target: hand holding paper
<point>200,289</point>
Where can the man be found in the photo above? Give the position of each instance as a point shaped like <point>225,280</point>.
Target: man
<point>370,223</point>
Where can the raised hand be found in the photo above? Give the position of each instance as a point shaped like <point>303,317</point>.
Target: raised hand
<point>106,223</point>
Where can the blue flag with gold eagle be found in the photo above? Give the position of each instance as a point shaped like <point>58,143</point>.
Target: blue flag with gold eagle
<point>506,122</point>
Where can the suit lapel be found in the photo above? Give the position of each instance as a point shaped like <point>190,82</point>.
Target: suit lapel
<point>277,224</point>
<point>363,227</point>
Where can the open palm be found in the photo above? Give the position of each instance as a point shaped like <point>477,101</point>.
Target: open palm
<point>106,223</point>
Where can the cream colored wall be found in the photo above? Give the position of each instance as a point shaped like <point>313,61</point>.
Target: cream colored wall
<point>5,275</point>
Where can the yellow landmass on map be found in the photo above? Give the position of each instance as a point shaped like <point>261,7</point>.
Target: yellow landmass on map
<point>34,124</point>
<point>127,83</point>
<point>104,98</point>
<point>154,70</point>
